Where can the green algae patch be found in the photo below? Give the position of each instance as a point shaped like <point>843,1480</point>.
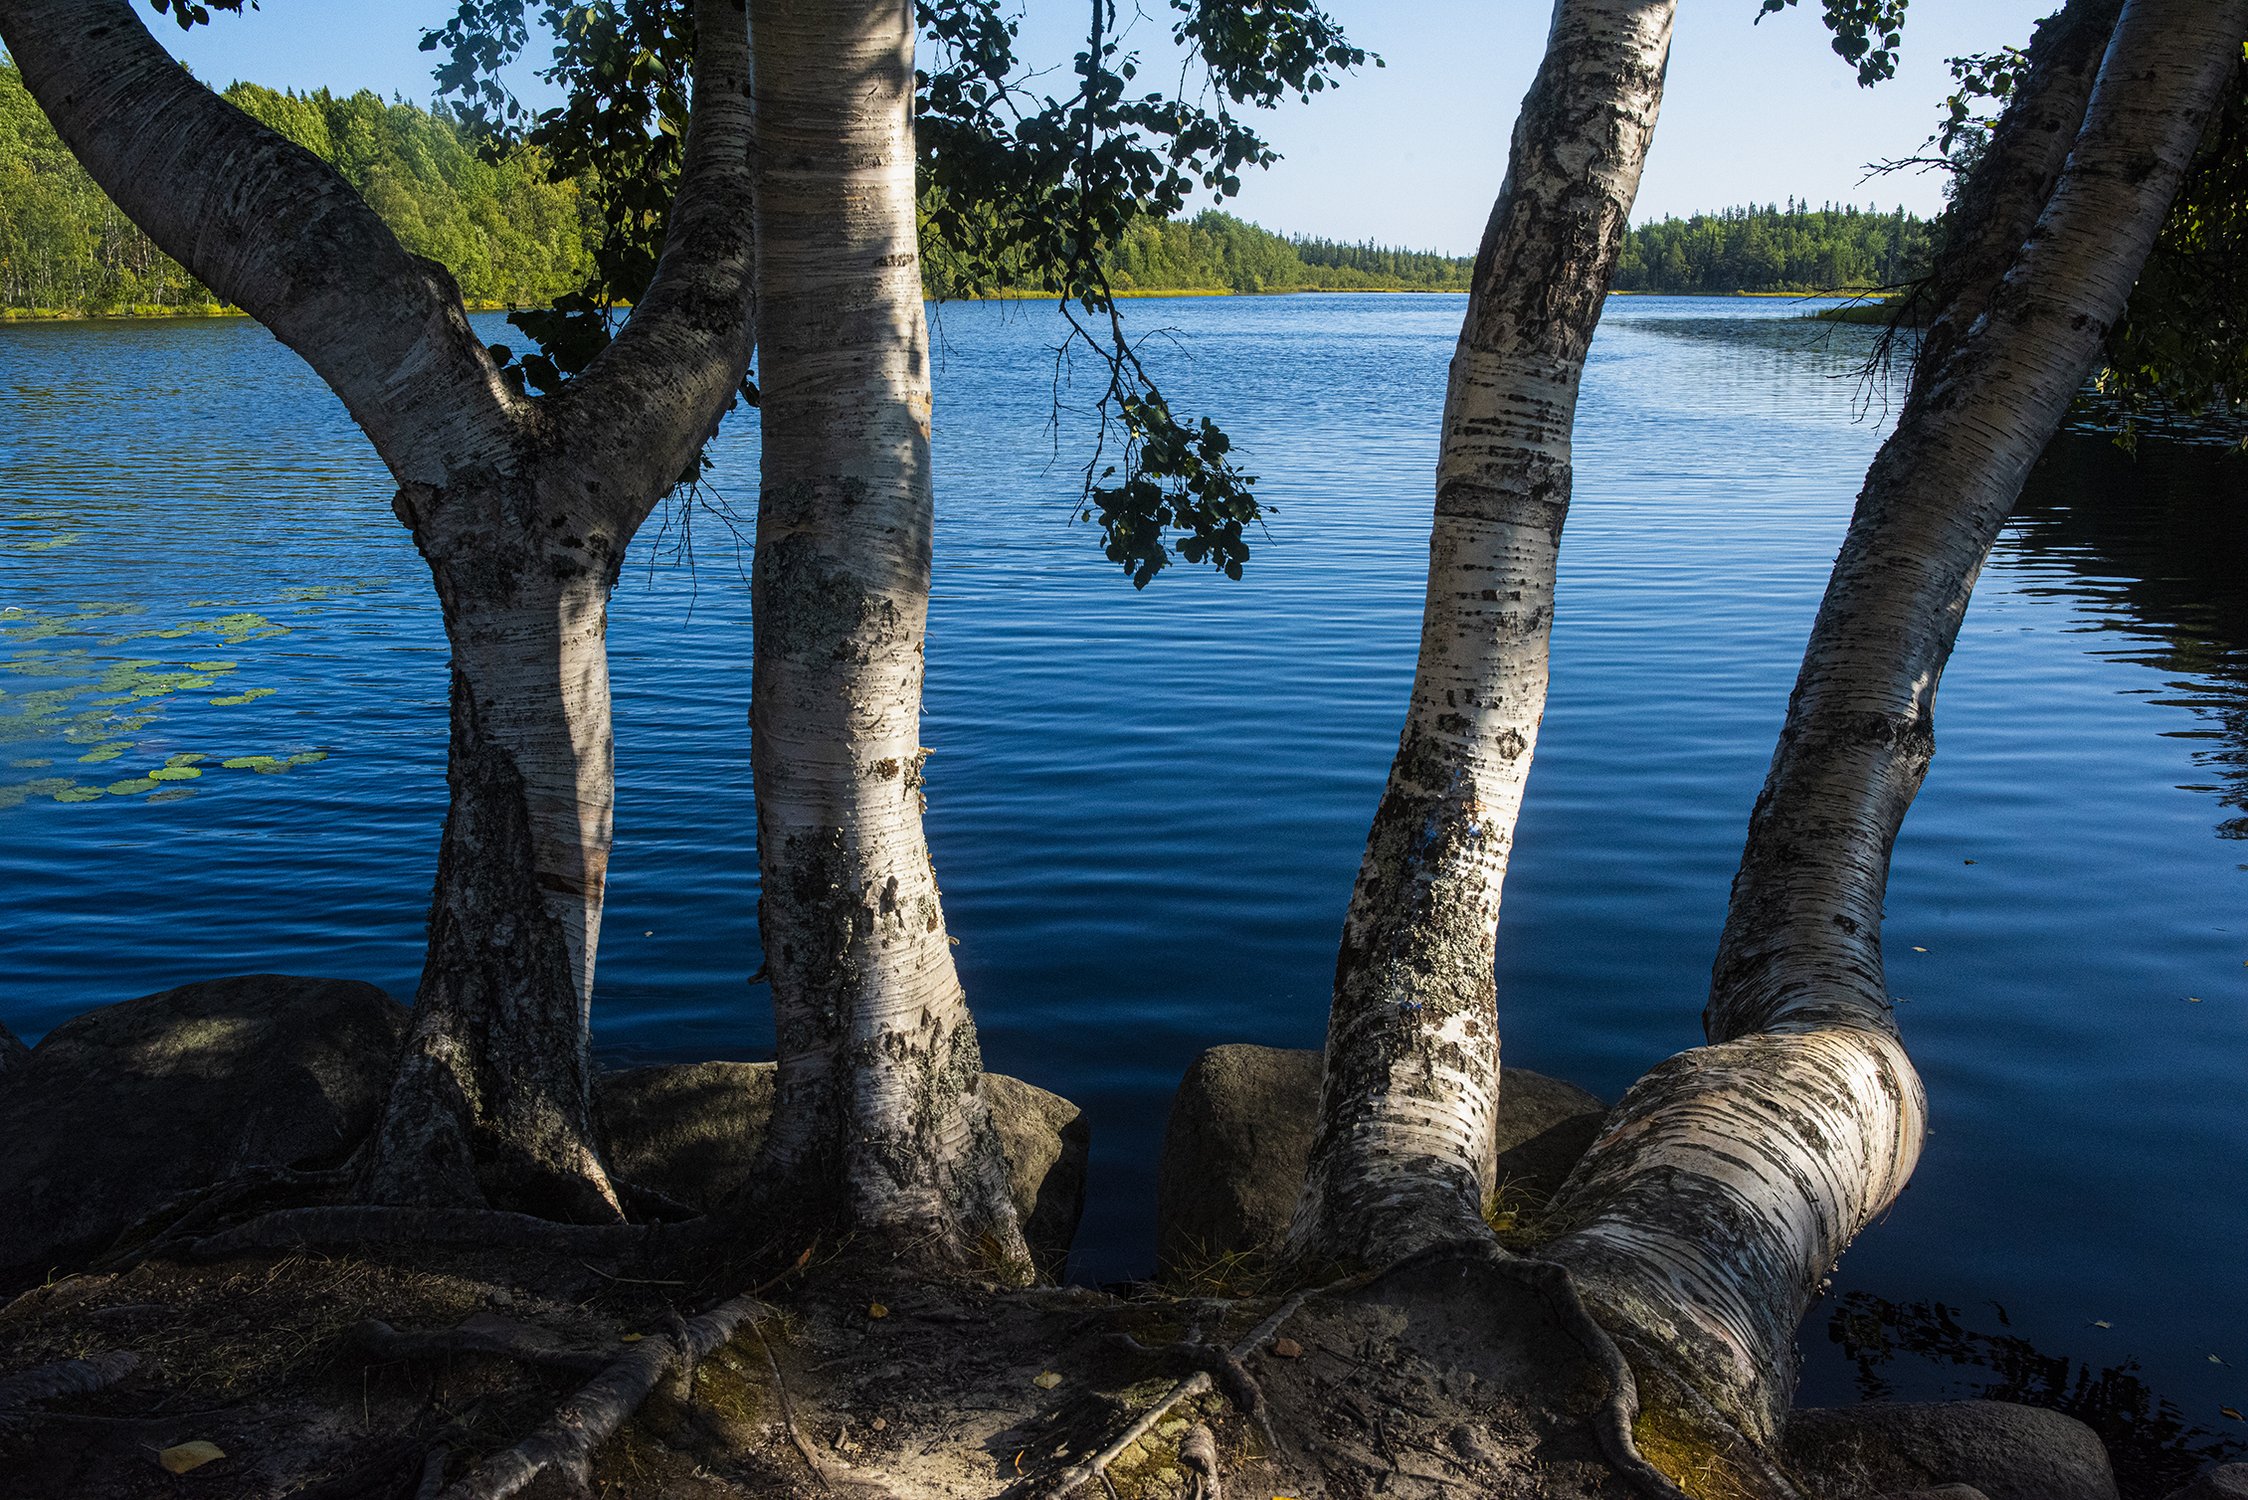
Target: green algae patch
<point>23,791</point>
<point>34,763</point>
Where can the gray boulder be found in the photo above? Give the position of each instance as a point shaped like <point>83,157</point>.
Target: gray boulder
<point>2008,1452</point>
<point>122,1109</point>
<point>2224,1482</point>
<point>690,1132</point>
<point>687,1130</point>
<point>1048,1142</point>
<point>13,1052</point>
<point>1239,1139</point>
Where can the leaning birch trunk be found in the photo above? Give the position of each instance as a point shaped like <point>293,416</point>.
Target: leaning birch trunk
<point>523,510</point>
<point>1404,1155</point>
<point>1730,1179</point>
<point>878,1118</point>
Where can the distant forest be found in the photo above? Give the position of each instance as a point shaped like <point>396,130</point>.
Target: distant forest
<point>507,233</point>
<point>1797,248</point>
<point>511,236</point>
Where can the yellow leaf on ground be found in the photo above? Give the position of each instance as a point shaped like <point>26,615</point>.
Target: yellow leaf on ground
<point>1046,1380</point>
<point>189,1456</point>
<point>630,1338</point>
<point>877,1310</point>
<point>1287,1348</point>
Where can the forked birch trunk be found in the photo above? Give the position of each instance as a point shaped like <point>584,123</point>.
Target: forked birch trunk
<point>1730,1179</point>
<point>523,510</point>
<point>1404,1151</point>
<point>1998,202</point>
<point>878,1117</point>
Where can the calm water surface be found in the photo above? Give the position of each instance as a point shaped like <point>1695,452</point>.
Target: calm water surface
<point>1147,807</point>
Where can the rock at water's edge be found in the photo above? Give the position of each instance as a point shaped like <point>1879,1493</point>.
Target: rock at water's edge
<point>2224,1482</point>
<point>691,1131</point>
<point>13,1053</point>
<point>1239,1138</point>
<point>2008,1452</point>
<point>118,1111</point>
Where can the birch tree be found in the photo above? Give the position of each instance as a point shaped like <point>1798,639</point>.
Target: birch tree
<point>1730,1179</point>
<point>1404,1152</point>
<point>522,508</point>
<point>878,1117</point>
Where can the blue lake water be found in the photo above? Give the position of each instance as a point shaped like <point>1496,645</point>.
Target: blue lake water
<point>1147,807</point>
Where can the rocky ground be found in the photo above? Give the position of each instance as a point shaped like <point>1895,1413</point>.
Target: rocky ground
<point>151,1350</point>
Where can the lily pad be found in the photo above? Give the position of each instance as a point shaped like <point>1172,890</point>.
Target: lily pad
<point>174,773</point>
<point>264,765</point>
<point>100,753</point>
<point>34,763</point>
<point>173,794</point>
<point>308,757</point>
<point>132,788</point>
<point>79,794</point>
<point>184,758</point>
<point>247,695</point>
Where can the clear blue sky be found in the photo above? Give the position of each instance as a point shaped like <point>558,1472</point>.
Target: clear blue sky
<point>1410,154</point>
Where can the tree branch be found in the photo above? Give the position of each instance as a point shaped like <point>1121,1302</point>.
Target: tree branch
<point>651,398</point>
<point>271,228</point>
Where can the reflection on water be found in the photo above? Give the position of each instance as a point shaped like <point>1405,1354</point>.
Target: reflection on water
<point>2155,1447</point>
<point>2155,544</point>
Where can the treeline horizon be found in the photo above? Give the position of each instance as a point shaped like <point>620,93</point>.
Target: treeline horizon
<point>512,236</point>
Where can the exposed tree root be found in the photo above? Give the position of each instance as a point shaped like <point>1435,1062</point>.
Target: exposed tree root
<point>1078,1475</point>
<point>183,1218</point>
<point>485,1334</point>
<point>788,1408</point>
<point>567,1441</point>
<point>361,1226</point>
<point>69,1377</point>
<point>1198,1455</point>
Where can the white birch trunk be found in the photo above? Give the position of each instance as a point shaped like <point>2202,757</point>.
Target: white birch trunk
<point>878,1118</point>
<point>1731,1178</point>
<point>1404,1153</point>
<point>523,510</point>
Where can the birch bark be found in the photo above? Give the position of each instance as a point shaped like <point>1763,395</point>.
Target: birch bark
<point>1730,1179</point>
<point>878,1118</point>
<point>522,509</point>
<point>1404,1152</point>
